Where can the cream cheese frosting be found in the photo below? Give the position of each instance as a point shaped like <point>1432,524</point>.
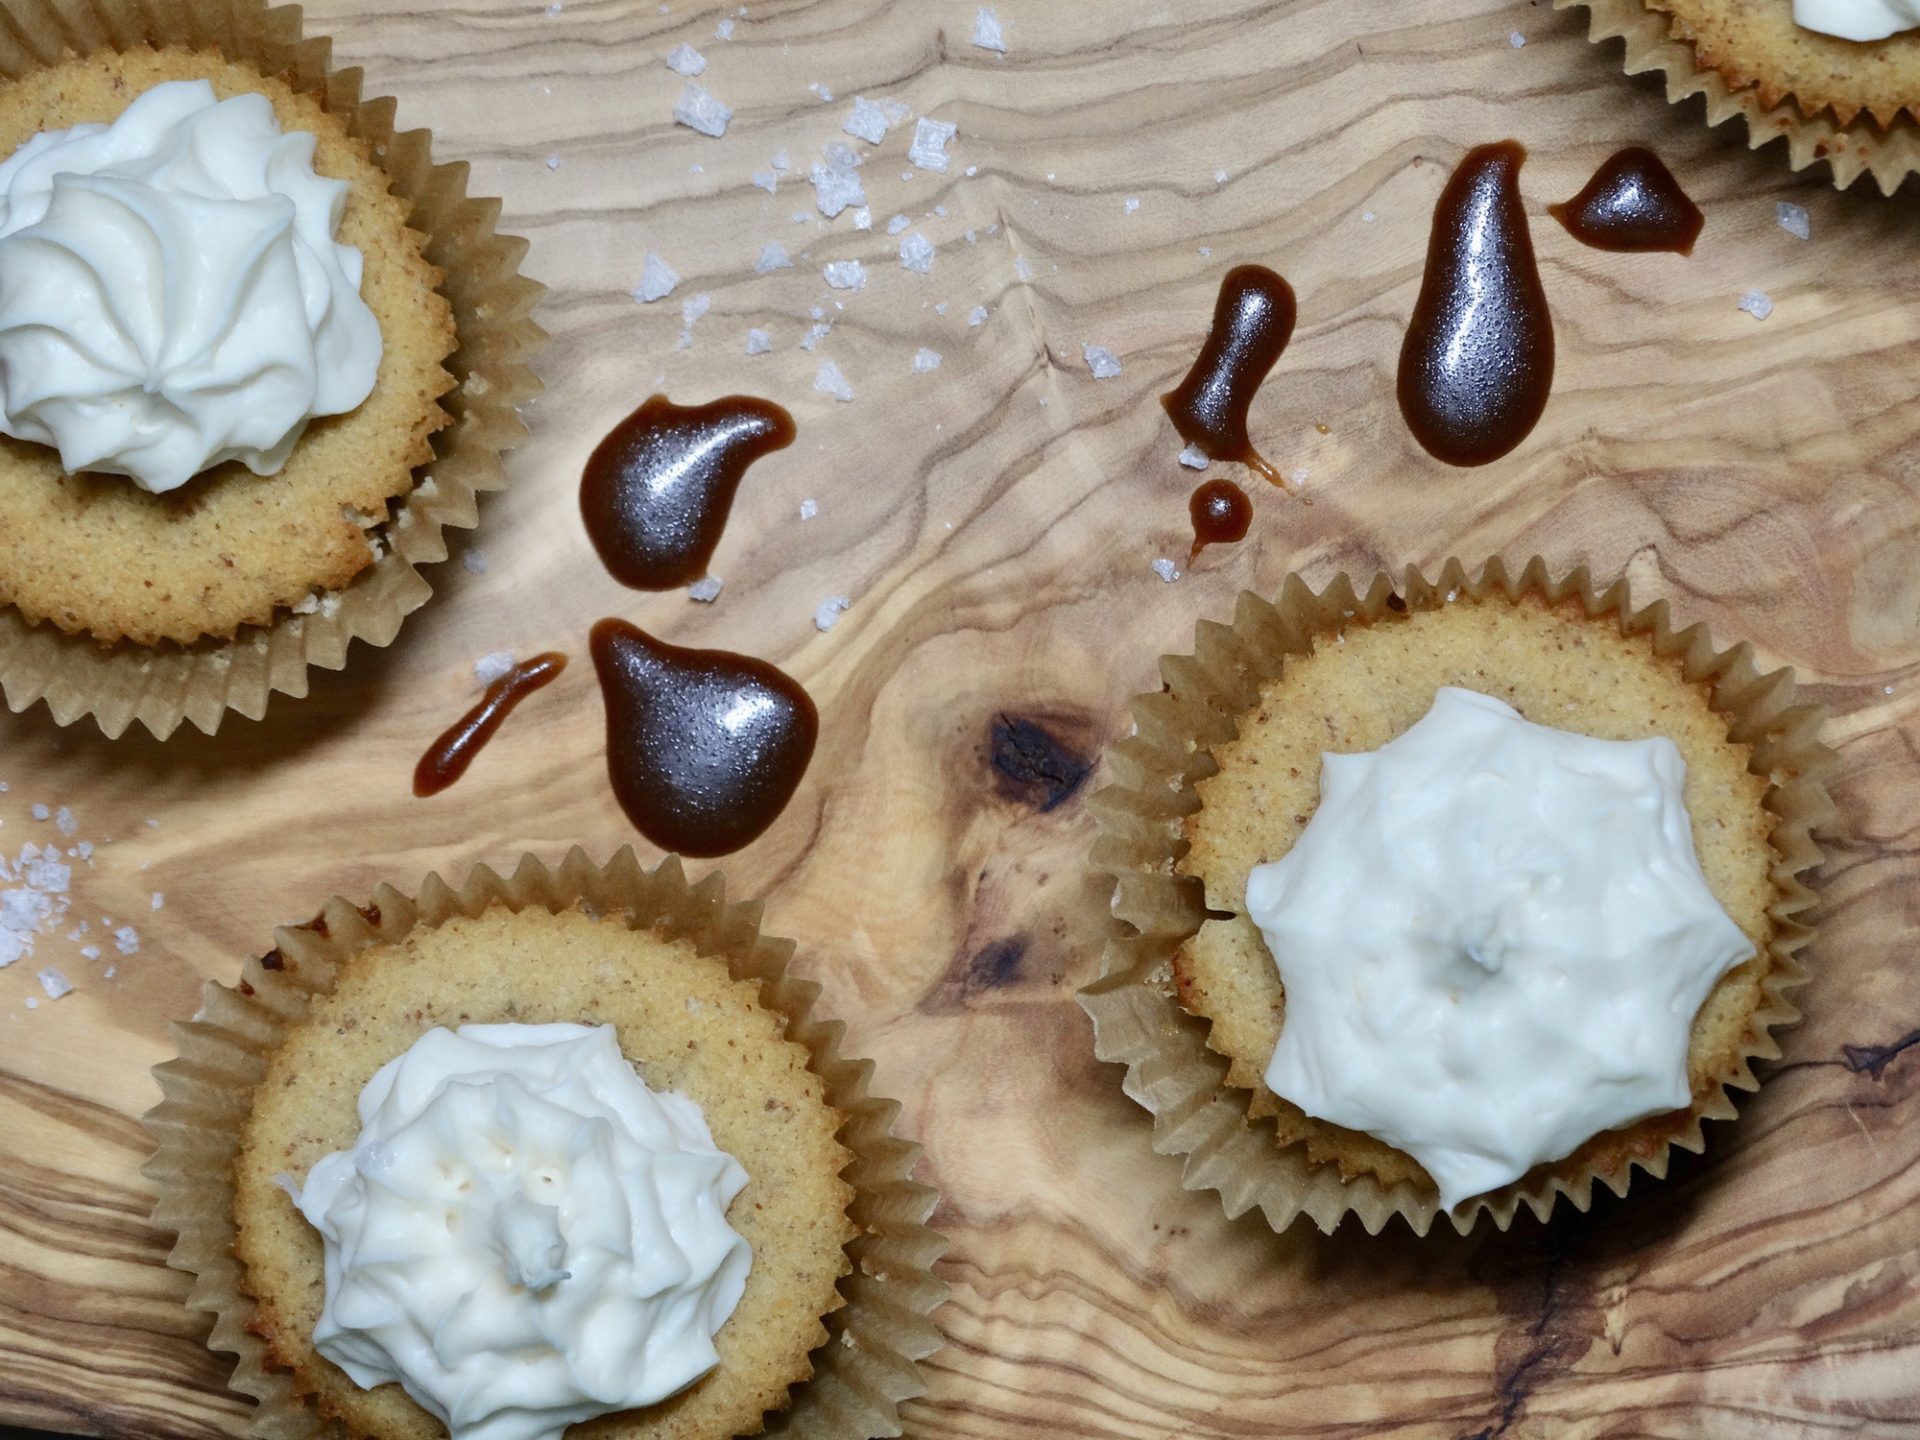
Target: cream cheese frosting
<point>1857,19</point>
<point>1493,938</point>
<point>525,1235</point>
<point>171,293</point>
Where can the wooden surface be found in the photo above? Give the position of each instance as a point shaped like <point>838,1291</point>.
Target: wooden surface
<point>993,524</point>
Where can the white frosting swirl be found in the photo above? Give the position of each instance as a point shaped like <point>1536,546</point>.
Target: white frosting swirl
<point>524,1235</point>
<point>1857,19</point>
<point>1494,937</point>
<point>171,296</point>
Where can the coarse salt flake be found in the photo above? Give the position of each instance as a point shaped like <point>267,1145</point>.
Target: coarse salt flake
<point>835,183</point>
<point>685,60</point>
<point>1101,361</point>
<point>706,589</point>
<point>827,613</point>
<point>1757,303</point>
<point>657,279</point>
<point>758,342</point>
<point>1166,569</point>
<point>868,121</point>
<point>977,316</point>
<point>54,983</point>
<point>700,110</point>
<point>988,32</point>
<point>845,274</point>
<point>809,509</point>
<point>829,381</point>
<point>773,256</point>
<point>492,666</point>
<point>916,253</point>
<point>929,148</point>
<point>925,360</point>
<point>1793,219</point>
<point>1193,459</point>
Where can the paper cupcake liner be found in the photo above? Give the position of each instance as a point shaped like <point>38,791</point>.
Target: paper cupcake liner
<point>1137,1020</point>
<point>867,1366</point>
<point>1848,151</point>
<point>161,686</point>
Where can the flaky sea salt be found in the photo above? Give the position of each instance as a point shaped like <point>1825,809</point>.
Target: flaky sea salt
<point>1021,268</point>
<point>988,32</point>
<point>474,561</point>
<point>1192,458</point>
<point>868,121</point>
<point>706,589</point>
<point>836,185</point>
<point>815,334</point>
<point>54,983</point>
<point>1166,569</point>
<point>809,509</point>
<point>925,360</point>
<point>1132,204</point>
<point>724,30</point>
<point>1793,219</point>
<point>699,109</point>
<point>685,60</point>
<point>863,219</point>
<point>126,940</point>
<point>916,253</point>
<point>827,613</point>
<point>781,161</point>
<point>657,280</point>
<point>977,316</point>
<point>1101,361</point>
<point>693,307</point>
<point>929,148</point>
<point>1517,40</point>
<point>1757,303</point>
<point>157,901</point>
<point>758,342</point>
<point>64,821</point>
<point>491,666</point>
<point>767,180</point>
<point>41,812</point>
<point>845,274</point>
<point>897,224</point>
<point>829,381</point>
<point>773,256</point>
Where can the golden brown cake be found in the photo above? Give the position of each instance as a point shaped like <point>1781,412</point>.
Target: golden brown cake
<point>686,1025</point>
<point>1755,45</point>
<point>1367,685</point>
<point>97,554</point>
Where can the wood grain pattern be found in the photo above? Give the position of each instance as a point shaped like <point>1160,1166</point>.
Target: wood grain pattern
<point>993,524</point>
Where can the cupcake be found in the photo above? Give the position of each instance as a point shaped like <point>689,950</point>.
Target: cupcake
<point>560,1150</point>
<point>1451,898</point>
<point>1839,79</point>
<point>230,301</point>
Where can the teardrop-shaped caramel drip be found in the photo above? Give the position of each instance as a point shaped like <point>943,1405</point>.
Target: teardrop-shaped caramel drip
<point>1632,203</point>
<point>1477,365</point>
<point>704,747</point>
<point>656,492</point>
<point>1252,323</point>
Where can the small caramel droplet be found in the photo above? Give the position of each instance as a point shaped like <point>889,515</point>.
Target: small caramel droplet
<point>1221,513</point>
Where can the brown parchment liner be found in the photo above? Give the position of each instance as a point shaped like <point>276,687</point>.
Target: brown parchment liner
<point>866,1367</point>
<point>162,685</point>
<point>1138,1022</point>
<point>1848,151</point>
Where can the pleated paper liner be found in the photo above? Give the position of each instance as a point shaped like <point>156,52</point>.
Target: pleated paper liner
<point>162,686</point>
<point>1848,151</point>
<point>868,1364</point>
<point>1171,1070</point>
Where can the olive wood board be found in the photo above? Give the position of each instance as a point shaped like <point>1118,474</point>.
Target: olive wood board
<point>993,524</point>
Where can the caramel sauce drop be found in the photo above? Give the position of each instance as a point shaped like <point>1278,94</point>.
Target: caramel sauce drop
<point>1477,365</point>
<point>1252,323</point>
<point>448,757</point>
<point>704,747</point>
<point>1221,513</point>
<point>656,492</point>
<point>1632,203</point>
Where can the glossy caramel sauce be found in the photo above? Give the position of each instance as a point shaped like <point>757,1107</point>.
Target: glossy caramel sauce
<point>656,492</point>
<point>704,747</point>
<point>1252,323</point>
<point>1632,203</point>
<point>1221,513</point>
<point>1477,364</point>
<point>448,757</point>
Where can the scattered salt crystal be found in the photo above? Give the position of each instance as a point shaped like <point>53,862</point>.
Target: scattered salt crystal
<point>54,983</point>
<point>800,217</point>
<point>781,161</point>
<point>693,307</point>
<point>706,589</point>
<point>845,274</point>
<point>868,121</point>
<point>767,180</point>
<point>897,224</point>
<point>827,613</point>
<point>1298,478</point>
<point>916,253</point>
<point>829,381</point>
<point>159,900</point>
<point>32,1002</point>
<point>929,148</point>
<point>1101,361</point>
<point>1516,40</point>
<point>972,170</point>
<point>85,851</point>
<point>1757,303</point>
<point>941,308</point>
<point>925,360</point>
<point>773,256</point>
<point>988,32</point>
<point>835,183</point>
<point>685,60</point>
<point>63,818</point>
<point>1166,569</point>
<point>698,109</point>
<point>1794,219</point>
<point>758,342</point>
<point>823,92</point>
<point>92,952</point>
<point>971,237</point>
<point>474,562</point>
<point>1220,177</point>
<point>491,666</point>
<point>126,940</point>
<point>41,812</point>
<point>809,509</point>
<point>1132,204</point>
<point>1021,268</point>
<point>815,334</point>
<point>657,280</point>
<point>553,162</point>
<point>1205,250</point>
<point>724,30</point>
<point>977,315</point>
<point>1368,216</point>
<point>1192,458</point>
